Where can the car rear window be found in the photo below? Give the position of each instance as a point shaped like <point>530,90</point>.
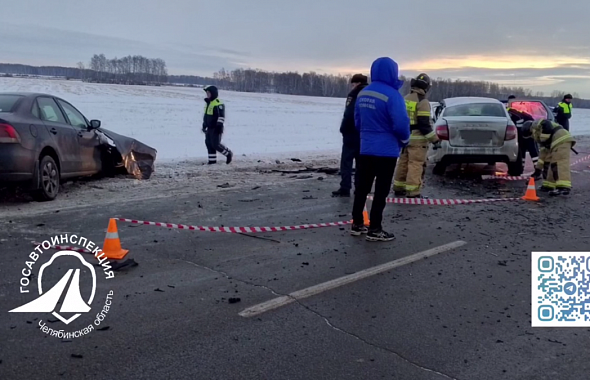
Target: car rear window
<point>476,109</point>
<point>7,102</point>
<point>535,109</point>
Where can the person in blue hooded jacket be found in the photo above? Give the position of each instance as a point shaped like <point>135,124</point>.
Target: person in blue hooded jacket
<point>384,126</point>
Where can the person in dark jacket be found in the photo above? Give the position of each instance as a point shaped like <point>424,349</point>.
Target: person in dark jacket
<point>351,140</point>
<point>564,112</point>
<point>525,144</point>
<point>213,121</point>
<point>381,117</point>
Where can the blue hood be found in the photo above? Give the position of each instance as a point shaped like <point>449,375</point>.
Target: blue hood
<point>385,70</point>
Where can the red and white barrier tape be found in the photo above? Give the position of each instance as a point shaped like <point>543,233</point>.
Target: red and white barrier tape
<point>234,229</point>
<point>309,226</point>
<point>443,202</point>
<point>586,158</point>
<point>506,177</point>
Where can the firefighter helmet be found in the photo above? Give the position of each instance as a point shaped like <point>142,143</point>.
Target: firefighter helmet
<point>422,81</point>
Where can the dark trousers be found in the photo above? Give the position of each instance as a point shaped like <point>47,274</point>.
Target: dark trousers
<point>214,145</point>
<point>565,123</point>
<point>373,169</point>
<point>528,145</point>
<point>351,147</point>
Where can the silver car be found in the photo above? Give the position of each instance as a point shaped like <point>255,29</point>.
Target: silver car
<point>475,130</point>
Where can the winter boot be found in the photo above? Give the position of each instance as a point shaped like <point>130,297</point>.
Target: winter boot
<point>379,235</point>
<point>419,196</point>
<point>357,230</point>
<point>229,157</point>
<point>399,193</point>
<point>341,193</point>
<point>558,192</point>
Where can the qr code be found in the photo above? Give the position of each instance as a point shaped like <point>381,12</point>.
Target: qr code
<point>560,289</point>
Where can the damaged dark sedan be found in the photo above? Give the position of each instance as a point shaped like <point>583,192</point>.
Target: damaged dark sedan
<point>44,140</point>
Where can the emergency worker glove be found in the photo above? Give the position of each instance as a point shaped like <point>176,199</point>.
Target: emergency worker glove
<point>204,128</point>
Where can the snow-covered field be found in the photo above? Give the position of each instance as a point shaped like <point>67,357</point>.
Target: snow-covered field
<point>170,118</point>
<point>257,125</point>
<point>263,130</point>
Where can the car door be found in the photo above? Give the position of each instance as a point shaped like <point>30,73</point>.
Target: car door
<point>64,135</point>
<point>87,139</point>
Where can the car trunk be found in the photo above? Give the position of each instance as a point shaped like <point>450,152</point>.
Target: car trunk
<point>476,131</point>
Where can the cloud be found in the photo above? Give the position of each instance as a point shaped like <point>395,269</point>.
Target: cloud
<point>522,42</point>
<point>50,46</point>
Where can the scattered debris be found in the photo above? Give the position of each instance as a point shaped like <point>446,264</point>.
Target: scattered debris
<point>234,300</point>
<point>77,356</point>
<point>158,290</point>
<point>129,263</point>
<point>295,160</point>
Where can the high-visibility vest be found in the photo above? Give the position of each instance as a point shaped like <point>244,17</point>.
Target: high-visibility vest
<point>209,107</point>
<point>567,108</point>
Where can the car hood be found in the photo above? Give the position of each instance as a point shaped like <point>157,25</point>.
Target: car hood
<point>138,157</point>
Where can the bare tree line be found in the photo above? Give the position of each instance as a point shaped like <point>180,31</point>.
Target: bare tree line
<point>134,69</point>
<point>313,84</point>
<point>140,70</point>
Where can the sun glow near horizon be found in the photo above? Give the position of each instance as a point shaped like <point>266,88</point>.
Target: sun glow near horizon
<point>479,62</point>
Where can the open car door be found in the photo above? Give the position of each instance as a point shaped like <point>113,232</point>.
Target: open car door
<point>536,108</point>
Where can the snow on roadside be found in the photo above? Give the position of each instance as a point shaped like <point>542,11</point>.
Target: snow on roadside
<point>170,118</point>
<point>170,179</point>
<point>261,128</point>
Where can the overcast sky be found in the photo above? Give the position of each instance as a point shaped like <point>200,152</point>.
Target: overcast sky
<point>538,44</point>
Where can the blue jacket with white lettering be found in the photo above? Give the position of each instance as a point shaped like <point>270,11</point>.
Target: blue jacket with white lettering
<point>380,112</point>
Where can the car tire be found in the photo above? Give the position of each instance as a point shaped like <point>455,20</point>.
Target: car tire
<point>48,179</point>
<point>439,169</point>
<point>515,168</point>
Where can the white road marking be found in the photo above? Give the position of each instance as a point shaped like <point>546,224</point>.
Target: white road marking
<point>317,289</point>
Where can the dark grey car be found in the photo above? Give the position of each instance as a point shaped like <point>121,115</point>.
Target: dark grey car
<point>44,139</point>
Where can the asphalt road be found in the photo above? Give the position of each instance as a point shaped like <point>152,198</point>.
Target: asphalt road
<point>460,314</point>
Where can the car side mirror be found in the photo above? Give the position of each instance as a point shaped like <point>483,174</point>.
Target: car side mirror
<point>94,124</point>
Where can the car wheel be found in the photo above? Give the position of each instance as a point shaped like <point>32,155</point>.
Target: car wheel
<point>439,169</point>
<point>48,180</point>
<point>515,168</point>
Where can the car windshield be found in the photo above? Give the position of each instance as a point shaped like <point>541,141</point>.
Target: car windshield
<point>7,102</point>
<point>476,109</point>
<point>535,109</point>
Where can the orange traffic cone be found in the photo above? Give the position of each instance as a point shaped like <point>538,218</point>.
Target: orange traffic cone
<point>367,222</point>
<point>531,191</point>
<point>112,245</point>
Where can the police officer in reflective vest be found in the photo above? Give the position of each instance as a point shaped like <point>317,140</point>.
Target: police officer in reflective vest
<point>554,164</point>
<point>213,121</point>
<point>410,168</point>
<point>564,112</point>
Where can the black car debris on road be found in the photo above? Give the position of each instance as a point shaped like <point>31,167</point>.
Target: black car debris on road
<point>44,140</point>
